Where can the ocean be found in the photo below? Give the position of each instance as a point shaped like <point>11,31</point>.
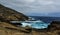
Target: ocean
<point>43,22</point>
<point>46,19</point>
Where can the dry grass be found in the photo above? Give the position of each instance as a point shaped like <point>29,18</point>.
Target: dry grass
<point>46,33</point>
<point>8,29</point>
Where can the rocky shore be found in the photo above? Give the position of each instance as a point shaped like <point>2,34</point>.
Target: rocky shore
<point>53,29</point>
<point>6,28</point>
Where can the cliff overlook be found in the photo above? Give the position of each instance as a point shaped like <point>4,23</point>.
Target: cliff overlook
<point>10,14</point>
<point>6,28</point>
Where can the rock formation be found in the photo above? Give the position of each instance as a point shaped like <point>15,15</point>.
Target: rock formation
<point>55,25</point>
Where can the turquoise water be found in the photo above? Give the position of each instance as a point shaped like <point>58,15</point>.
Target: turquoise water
<point>34,24</point>
<point>40,25</point>
<point>37,25</point>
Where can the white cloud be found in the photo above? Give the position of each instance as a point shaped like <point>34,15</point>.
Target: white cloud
<point>33,6</point>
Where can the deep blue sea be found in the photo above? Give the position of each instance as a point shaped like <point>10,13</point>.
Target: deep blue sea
<point>46,19</point>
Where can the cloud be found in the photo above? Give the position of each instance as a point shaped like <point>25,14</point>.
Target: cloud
<point>43,7</point>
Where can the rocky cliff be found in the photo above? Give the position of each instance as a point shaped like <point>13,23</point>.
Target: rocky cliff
<point>10,14</point>
<point>7,14</point>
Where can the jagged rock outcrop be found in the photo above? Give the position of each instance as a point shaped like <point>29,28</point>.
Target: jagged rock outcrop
<point>55,25</point>
<point>7,14</point>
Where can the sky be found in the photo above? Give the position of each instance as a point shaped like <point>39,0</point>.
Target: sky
<point>34,7</point>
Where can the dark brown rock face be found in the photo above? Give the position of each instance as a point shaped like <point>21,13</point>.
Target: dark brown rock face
<point>55,25</point>
<point>10,14</point>
<point>53,29</point>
